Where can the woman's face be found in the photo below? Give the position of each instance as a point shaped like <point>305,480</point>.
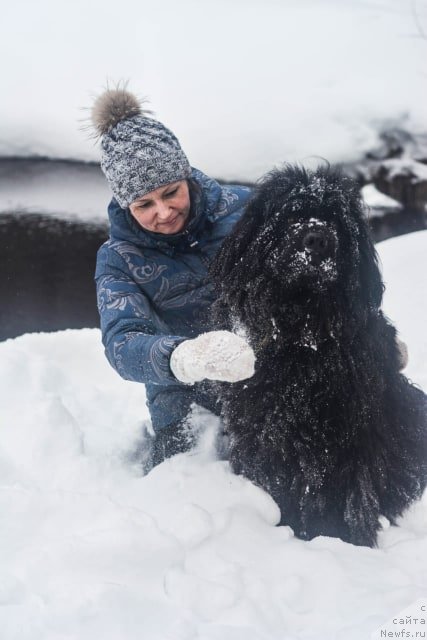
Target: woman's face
<point>164,210</point>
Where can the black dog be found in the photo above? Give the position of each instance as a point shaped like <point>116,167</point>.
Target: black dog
<point>328,425</point>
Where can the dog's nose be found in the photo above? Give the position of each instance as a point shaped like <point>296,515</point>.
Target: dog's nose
<point>317,243</point>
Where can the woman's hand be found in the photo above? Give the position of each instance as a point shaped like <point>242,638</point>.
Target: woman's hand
<point>216,355</point>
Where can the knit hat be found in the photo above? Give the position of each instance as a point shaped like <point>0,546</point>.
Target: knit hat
<point>139,154</point>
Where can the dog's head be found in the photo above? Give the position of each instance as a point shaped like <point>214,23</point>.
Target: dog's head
<point>303,234</point>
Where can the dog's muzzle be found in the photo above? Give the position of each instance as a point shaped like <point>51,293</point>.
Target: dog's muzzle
<point>314,251</point>
<point>319,244</point>
<point>316,242</point>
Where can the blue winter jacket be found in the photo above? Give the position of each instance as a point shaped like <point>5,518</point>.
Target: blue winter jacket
<point>153,293</point>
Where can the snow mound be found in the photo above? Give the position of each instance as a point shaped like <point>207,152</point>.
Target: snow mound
<point>90,548</point>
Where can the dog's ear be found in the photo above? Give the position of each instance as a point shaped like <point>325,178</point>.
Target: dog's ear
<point>368,275</point>
<point>234,250</point>
<point>371,284</point>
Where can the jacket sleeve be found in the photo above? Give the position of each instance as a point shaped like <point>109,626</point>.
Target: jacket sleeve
<point>134,345</point>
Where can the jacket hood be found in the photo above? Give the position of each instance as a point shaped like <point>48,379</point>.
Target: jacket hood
<point>203,206</point>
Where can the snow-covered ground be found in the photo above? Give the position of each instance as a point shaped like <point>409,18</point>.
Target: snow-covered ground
<point>91,549</point>
<point>244,84</point>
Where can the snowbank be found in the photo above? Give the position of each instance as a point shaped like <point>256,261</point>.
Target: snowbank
<point>244,85</point>
<point>404,267</point>
<point>89,548</point>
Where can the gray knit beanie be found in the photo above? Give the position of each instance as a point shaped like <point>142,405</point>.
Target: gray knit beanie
<point>139,154</point>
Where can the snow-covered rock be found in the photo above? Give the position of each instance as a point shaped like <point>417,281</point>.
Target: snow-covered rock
<point>405,180</point>
<point>379,203</point>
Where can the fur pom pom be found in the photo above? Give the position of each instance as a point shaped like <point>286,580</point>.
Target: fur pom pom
<point>111,107</point>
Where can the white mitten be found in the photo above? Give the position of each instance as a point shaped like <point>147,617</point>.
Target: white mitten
<point>216,355</point>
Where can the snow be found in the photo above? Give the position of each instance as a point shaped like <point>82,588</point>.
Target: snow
<point>379,203</point>
<point>243,84</point>
<point>404,266</point>
<point>63,190</point>
<point>79,191</point>
<point>405,167</point>
<point>90,548</point>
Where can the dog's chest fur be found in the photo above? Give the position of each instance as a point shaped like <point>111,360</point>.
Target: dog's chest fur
<point>319,416</point>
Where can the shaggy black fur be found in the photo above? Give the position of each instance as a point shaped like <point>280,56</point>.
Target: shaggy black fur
<point>327,425</point>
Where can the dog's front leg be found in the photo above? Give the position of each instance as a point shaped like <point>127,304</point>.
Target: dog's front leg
<point>362,511</point>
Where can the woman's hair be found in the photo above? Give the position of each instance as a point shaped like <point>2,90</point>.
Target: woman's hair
<point>195,194</point>
<point>194,188</point>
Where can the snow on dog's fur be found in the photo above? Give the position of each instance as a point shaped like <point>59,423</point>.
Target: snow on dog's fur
<point>328,425</point>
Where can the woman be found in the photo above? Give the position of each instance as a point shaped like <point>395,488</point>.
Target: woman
<point>167,220</point>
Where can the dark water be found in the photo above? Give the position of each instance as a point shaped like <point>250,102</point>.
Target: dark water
<point>397,224</point>
<point>47,268</point>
